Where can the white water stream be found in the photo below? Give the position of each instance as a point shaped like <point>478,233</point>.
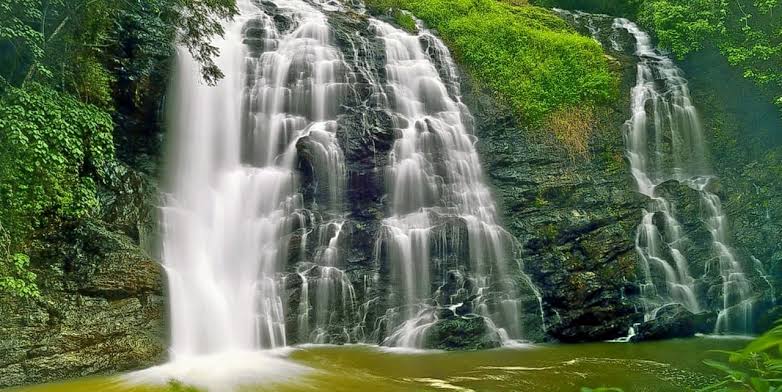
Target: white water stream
<point>234,191</point>
<point>665,142</point>
<point>436,177</point>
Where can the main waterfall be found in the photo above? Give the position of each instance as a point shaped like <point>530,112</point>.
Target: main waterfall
<point>327,190</point>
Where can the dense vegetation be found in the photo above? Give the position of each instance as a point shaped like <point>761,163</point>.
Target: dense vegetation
<point>748,33</point>
<point>65,68</point>
<point>528,55</point>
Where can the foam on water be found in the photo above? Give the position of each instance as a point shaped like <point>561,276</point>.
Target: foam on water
<point>225,371</point>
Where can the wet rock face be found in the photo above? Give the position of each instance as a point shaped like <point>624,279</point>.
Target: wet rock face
<point>101,311</point>
<point>453,332</point>
<point>675,321</point>
<point>698,244</point>
<point>574,217</point>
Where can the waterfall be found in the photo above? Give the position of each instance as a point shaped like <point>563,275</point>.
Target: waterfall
<point>670,146</point>
<point>435,186</point>
<point>234,196</point>
<point>269,235</point>
<point>664,142</point>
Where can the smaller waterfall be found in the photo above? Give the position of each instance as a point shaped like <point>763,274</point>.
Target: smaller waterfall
<point>737,301</point>
<point>435,184</point>
<point>665,142</point>
<point>326,296</point>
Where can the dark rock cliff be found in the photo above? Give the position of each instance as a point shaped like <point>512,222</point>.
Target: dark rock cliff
<point>574,216</point>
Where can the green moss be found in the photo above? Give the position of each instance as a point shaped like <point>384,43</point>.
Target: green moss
<point>405,21</point>
<point>549,231</point>
<point>540,200</point>
<point>529,56</point>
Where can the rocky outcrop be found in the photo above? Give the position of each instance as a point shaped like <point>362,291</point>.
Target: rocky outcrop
<point>675,321</point>
<point>455,332</point>
<point>101,310</point>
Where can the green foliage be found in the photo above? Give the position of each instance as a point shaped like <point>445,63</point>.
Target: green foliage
<point>528,55</point>
<point>65,67</point>
<point>683,26</point>
<point>601,389</point>
<point>52,146</point>
<point>756,368</point>
<point>73,44</point>
<point>747,32</point>
<point>197,25</point>
<point>20,43</point>
<point>15,279</point>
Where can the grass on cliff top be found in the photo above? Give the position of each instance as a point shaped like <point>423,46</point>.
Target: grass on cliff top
<point>529,56</point>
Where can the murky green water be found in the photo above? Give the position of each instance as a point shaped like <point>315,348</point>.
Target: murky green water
<point>674,365</point>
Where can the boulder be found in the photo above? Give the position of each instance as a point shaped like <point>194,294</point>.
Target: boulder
<point>675,321</point>
<point>461,333</point>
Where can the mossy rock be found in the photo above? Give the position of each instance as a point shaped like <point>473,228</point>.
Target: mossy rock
<point>461,333</point>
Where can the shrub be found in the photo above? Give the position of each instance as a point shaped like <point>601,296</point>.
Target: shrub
<point>51,147</point>
<point>15,279</point>
<point>757,367</point>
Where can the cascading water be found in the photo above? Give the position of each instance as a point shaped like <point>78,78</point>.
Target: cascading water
<point>654,160</point>
<point>264,242</point>
<point>664,141</point>
<point>234,194</point>
<point>670,146</point>
<point>435,184</point>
